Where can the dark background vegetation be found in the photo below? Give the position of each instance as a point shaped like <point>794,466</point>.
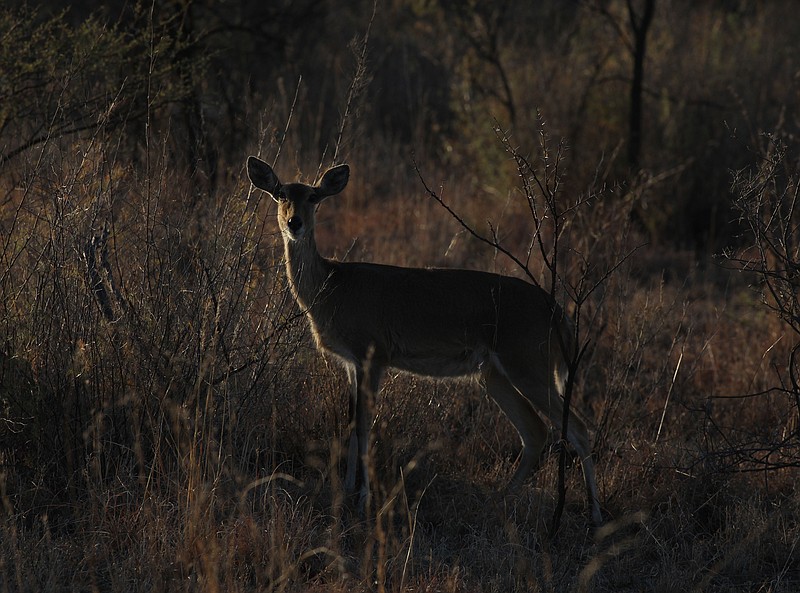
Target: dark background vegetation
<point>164,420</point>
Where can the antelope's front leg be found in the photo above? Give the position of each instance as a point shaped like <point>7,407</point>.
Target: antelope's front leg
<point>353,377</point>
<point>363,387</point>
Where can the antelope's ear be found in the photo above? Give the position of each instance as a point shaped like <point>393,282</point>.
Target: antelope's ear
<point>262,176</point>
<point>334,181</point>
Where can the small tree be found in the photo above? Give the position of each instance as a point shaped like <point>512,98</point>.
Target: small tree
<point>572,271</point>
<point>768,200</point>
<point>65,81</point>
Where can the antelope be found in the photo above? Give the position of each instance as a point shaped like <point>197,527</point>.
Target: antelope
<point>432,322</point>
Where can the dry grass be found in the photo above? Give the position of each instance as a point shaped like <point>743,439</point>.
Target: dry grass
<point>165,422</point>
<point>192,442</point>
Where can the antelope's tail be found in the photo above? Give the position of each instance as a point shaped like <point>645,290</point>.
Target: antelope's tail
<point>564,350</point>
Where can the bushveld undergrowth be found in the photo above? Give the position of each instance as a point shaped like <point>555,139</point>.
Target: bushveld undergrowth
<point>166,424</point>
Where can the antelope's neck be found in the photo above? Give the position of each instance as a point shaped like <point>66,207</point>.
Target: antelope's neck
<point>307,269</point>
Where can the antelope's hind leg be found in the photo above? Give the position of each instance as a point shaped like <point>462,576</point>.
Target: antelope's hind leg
<point>544,396</point>
<point>532,430</point>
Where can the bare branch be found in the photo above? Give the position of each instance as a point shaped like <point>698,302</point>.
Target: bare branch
<point>494,243</point>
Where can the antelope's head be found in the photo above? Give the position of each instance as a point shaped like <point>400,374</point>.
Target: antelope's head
<point>297,202</point>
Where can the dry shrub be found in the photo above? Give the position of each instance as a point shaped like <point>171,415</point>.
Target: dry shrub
<point>192,440</point>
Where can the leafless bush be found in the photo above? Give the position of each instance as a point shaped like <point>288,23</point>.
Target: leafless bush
<point>767,198</point>
<point>572,267</point>
<point>151,332</point>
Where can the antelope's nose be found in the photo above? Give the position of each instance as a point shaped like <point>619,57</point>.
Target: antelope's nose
<point>294,223</point>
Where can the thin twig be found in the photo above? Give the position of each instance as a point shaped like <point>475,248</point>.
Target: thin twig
<point>494,243</point>
<point>288,121</point>
<point>666,400</point>
<point>357,84</point>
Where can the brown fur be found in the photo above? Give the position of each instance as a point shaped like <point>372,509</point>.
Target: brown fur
<point>434,322</point>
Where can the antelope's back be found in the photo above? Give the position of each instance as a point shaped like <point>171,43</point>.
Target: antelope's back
<point>414,313</point>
